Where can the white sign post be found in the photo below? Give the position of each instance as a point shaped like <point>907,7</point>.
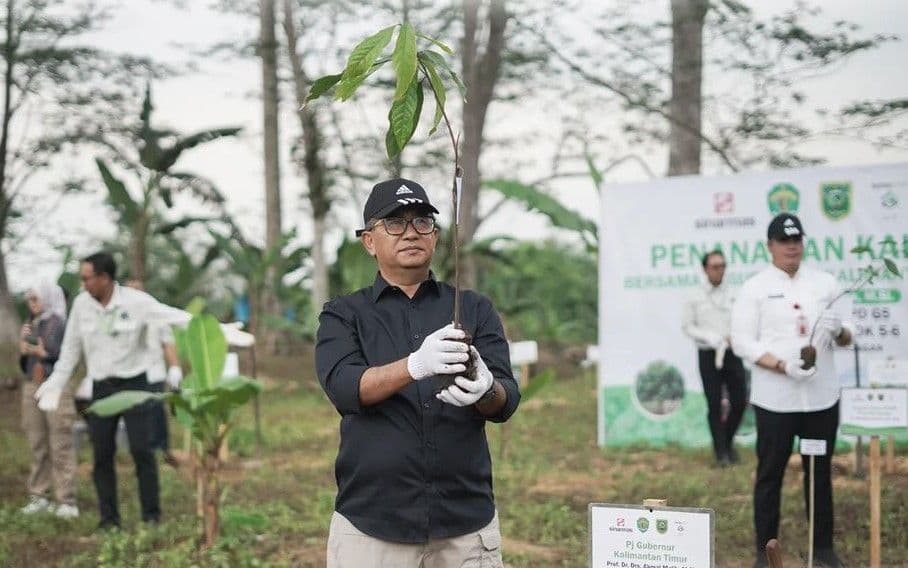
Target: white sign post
<point>812,448</point>
<point>876,412</point>
<point>625,536</point>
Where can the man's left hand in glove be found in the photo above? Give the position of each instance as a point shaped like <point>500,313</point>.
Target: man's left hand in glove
<point>465,392</point>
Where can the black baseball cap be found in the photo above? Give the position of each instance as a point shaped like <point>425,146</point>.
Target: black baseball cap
<point>389,196</point>
<point>784,226</point>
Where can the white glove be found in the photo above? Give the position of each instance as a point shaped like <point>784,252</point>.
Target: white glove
<point>720,355</point>
<point>439,354</point>
<point>48,394</point>
<point>85,389</point>
<point>465,392</point>
<point>235,336</point>
<point>831,322</point>
<point>174,376</point>
<point>713,340</point>
<point>793,369</point>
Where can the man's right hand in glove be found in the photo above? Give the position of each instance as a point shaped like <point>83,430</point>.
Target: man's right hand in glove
<point>440,354</point>
<point>793,369</point>
<point>49,392</point>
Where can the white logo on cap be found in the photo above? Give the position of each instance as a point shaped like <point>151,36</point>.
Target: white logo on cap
<point>792,231</point>
<point>789,222</point>
<point>409,200</point>
<point>403,190</point>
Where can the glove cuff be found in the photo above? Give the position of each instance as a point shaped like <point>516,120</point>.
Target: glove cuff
<point>415,367</point>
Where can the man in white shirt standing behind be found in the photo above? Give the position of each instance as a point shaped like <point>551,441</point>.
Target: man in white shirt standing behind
<point>771,320</point>
<point>109,324</point>
<point>707,319</point>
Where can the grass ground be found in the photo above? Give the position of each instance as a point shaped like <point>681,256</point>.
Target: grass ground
<point>279,499</point>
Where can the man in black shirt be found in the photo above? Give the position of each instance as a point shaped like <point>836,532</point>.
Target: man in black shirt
<point>413,470</point>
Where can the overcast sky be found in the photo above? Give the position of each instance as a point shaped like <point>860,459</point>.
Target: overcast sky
<point>221,94</point>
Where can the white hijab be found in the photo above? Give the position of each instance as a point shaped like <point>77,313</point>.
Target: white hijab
<point>53,302</point>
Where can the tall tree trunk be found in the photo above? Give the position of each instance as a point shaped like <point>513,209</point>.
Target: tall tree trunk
<point>480,73</point>
<point>9,320</point>
<point>313,164</point>
<point>687,77</point>
<point>268,53</point>
<point>137,249</point>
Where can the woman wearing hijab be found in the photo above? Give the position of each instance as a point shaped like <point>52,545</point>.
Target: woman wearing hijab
<point>49,433</point>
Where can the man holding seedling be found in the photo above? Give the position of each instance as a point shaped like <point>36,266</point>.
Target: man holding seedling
<point>707,320</point>
<point>772,319</point>
<point>413,469</point>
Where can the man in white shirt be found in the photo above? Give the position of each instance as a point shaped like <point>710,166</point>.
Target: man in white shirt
<point>772,319</point>
<point>108,324</point>
<point>707,320</point>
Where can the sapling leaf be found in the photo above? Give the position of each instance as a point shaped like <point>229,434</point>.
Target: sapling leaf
<point>442,46</point>
<point>322,85</point>
<point>861,249</point>
<point>402,119</point>
<point>404,60</point>
<point>438,88</point>
<point>892,267</point>
<point>440,62</point>
<point>359,64</point>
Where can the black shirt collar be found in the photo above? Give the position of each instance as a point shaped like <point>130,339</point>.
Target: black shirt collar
<point>380,286</point>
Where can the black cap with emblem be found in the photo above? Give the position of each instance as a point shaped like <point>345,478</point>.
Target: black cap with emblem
<point>389,196</point>
<point>784,226</point>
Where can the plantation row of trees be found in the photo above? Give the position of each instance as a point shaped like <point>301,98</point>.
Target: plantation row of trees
<point>595,70</point>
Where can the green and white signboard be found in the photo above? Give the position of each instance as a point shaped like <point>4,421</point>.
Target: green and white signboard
<point>653,236</point>
<point>627,536</point>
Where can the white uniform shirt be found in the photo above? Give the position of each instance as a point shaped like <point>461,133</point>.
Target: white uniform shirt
<point>157,366</point>
<point>113,338</point>
<point>771,311</point>
<point>707,315</point>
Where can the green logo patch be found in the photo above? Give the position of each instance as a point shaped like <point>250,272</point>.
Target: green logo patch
<point>836,199</point>
<point>783,198</point>
<point>643,524</point>
<point>661,526</point>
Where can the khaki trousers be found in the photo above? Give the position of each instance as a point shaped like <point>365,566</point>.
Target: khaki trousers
<point>348,547</point>
<point>50,435</point>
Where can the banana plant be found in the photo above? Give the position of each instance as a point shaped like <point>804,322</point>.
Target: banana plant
<point>204,405</point>
<point>152,158</point>
<point>252,264</point>
<point>534,199</point>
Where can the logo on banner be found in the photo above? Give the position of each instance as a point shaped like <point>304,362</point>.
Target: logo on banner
<point>724,202</point>
<point>783,198</point>
<point>661,526</point>
<point>619,526</point>
<point>889,200</point>
<point>836,199</point>
<point>643,524</point>
<point>723,218</point>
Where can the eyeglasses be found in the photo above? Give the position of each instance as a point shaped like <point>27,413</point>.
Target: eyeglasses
<point>396,226</point>
<point>716,266</point>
